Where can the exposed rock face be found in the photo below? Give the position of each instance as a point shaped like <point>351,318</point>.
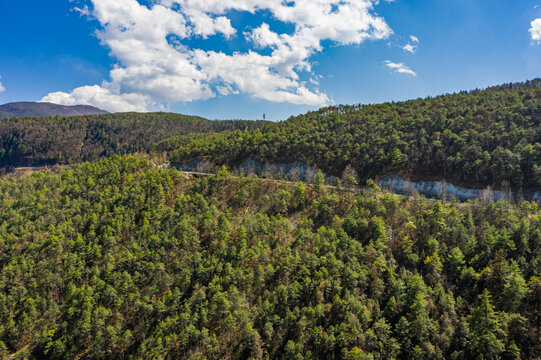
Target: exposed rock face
<point>300,171</point>
<point>295,171</point>
<point>441,189</point>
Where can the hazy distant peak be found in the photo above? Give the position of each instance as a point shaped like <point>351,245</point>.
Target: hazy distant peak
<point>20,109</point>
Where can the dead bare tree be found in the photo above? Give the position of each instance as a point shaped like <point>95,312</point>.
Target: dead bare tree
<point>507,191</point>
<point>487,195</point>
<point>310,174</point>
<point>443,190</point>
<point>520,197</point>
<point>295,173</point>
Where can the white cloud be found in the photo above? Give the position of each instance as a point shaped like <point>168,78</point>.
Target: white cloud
<point>84,11</point>
<point>400,68</point>
<point>535,30</point>
<point>155,67</point>
<point>2,88</point>
<point>226,90</point>
<point>412,46</point>
<point>100,97</point>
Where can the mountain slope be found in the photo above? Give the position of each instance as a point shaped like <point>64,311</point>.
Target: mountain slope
<point>121,260</point>
<point>33,141</point>
<point>477,138</point>
<point>19,109</point>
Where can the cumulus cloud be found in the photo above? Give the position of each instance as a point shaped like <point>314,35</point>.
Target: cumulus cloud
<point>156,67</point>
<point>400,68</point>
<point>100,97</point>
<point>2,88</point>
<point>535,30</point>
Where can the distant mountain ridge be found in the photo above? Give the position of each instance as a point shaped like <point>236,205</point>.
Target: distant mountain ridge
<point>38,141</point>
<point>19,109</point>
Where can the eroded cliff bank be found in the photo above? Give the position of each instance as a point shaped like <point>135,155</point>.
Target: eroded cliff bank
<point>301,171</point>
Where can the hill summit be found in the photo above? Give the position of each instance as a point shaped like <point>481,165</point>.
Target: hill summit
<point>19,109</point>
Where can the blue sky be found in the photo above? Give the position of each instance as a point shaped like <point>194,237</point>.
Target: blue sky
<point>242,58</point>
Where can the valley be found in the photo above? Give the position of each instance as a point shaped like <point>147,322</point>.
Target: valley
<point>167,236</point>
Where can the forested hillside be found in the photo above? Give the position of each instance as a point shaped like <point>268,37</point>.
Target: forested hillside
<point>63,140</point>
<point>476,138</point>
<point>20,109</point>
<point>119,259</point>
